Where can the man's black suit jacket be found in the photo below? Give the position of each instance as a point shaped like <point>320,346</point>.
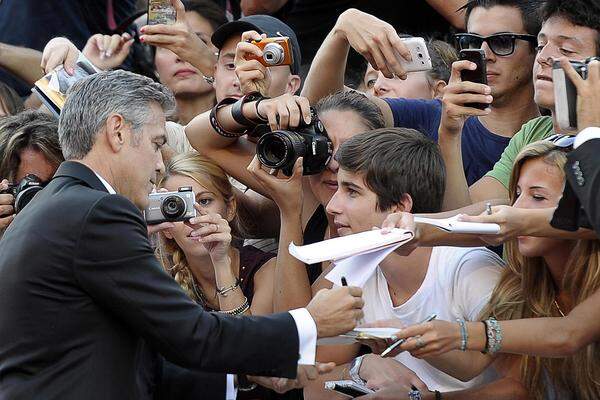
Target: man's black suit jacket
<point>80,289</point>
<point>580,204</point>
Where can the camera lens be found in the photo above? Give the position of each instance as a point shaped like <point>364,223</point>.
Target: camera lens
<point>273,54</point>
<point>280,149</point>
<point>24,197</point>
<point>173,207</point>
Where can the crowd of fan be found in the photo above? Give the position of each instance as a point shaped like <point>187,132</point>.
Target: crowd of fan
<point>522,305</point>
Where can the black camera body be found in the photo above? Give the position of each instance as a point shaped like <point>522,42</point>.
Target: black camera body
<point>24,191</point>
<point>565,92</point>
<point>281,148</point>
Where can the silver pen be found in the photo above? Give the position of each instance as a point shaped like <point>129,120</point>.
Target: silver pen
<point>399,342</point>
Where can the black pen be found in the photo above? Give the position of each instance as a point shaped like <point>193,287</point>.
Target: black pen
<point>344,281</point>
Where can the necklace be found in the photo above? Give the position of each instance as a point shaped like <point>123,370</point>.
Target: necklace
<point>200,295</point>
<point>558,308</point>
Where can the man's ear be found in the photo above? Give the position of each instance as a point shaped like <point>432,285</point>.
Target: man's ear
<point>405,204</point>
<point>437,89</point>
<point>293,84</point>
<point>115,132</point>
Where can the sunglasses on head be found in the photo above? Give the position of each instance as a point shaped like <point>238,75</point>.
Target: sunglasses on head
<point>565,142</point>
<point>501,44</point>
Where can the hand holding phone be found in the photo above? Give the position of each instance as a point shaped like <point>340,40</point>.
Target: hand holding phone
<point>478,75</point>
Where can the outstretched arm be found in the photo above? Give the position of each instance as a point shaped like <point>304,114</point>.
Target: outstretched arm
<point>22,62</point>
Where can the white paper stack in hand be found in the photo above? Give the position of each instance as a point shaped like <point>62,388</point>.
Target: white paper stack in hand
<point>347,246</point>
<point>358,334</point>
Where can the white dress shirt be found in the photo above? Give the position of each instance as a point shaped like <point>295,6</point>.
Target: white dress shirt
<point>305,325</point>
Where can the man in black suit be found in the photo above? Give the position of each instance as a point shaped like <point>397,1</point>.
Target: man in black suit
<point>80,288</point>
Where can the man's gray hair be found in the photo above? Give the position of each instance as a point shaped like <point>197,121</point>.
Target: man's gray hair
<point>93,99</point>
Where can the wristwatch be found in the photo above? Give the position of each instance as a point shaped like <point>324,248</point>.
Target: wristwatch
<point>355,369</point>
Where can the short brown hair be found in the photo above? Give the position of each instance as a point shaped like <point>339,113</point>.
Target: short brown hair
<point>395,162</point>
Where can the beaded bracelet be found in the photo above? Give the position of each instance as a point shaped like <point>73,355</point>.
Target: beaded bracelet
<point>464,335</point>
<point>239,310</point>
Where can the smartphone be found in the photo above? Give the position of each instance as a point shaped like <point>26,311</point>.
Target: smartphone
<point>421,61</point>
<point>565,94</point>
<point>479,75</point>
<point>161,12</point>
<point>349,389</point>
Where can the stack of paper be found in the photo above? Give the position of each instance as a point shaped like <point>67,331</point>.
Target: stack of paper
<point>455,226</point>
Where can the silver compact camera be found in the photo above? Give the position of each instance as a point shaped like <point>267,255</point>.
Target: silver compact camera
<point>170,206</point>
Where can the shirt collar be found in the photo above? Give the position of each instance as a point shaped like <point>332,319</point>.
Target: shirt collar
<point>106,184</point>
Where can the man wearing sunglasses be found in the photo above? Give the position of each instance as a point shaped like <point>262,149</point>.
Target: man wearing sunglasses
<point>570,30</point>
<point>504,29</point>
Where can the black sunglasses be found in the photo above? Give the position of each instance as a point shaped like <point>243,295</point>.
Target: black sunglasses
<point>501,44</point>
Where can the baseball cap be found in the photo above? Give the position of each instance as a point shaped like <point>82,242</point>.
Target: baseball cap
<point>266,24</point>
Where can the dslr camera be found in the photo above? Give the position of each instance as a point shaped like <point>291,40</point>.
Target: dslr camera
<point>565,92</point>
<point>280,149</point>
<point>276,51</point>
<point>170,206</point>
<point>24,191</point>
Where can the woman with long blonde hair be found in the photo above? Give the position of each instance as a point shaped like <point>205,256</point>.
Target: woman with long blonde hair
<point>544,277</point>
<point>214,273</point>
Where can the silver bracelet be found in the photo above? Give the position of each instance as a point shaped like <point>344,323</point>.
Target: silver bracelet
<point>464,335</point>
<point>494,335</point>
<point>223,291</point>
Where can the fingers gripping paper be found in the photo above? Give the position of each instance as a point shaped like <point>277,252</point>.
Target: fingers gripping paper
<point>355,256</point>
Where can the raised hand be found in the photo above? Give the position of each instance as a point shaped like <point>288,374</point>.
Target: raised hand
<point>588,93</point>
<point>59,51</point>
<point>457,94</point>
<point>181,40</point>
<point>253,76</point>
<point>374,39</point>
<point>106,51</point>
<point>7,211</point>
<point>285,192</point>
<point>214,232</point>
<point>285,111</point>
<point>336,310</point>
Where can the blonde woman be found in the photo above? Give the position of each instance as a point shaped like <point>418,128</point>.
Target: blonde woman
<point>212,271</point>
<point>544,277</point>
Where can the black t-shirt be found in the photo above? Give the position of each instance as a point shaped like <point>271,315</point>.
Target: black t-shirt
<point>313,19</point>
<point>32,23</point>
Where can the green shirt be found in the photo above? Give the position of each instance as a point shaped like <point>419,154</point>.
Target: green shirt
<point>534,130</point>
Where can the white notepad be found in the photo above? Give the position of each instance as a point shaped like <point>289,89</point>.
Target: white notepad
<point>347,246</point>
<point>359,334</point>
<point>455,226</point>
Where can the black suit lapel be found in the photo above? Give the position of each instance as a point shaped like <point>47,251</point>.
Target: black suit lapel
<point>81,172</point>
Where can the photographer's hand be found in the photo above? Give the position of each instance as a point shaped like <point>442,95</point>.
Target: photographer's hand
<point>285,192</point>
<point>106,51</point>
<point>457,94</point>
<point>213,232</point>
<point>285,111</point>
<point>7,211</point>
<point>253,76</point>
<point>181,40</point>
<point>374,39</point>
<point>588,94</point>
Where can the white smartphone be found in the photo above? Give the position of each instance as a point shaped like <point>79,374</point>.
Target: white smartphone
<point>421,61</point>
<point>349,389</point>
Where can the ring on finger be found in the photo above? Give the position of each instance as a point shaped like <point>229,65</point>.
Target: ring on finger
<point>420,342</point>
<point>272,171</point>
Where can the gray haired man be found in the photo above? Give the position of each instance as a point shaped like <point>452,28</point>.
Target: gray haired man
<point>80,287</point>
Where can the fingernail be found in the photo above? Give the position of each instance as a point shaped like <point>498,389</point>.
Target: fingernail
<point>143,30</point>
<point>488,90</point>
<point>489,99</point>
<point>108,53</point>
<point>142,39</point>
